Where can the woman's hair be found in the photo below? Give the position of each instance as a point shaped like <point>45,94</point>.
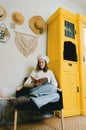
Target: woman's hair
<point>44,69</point>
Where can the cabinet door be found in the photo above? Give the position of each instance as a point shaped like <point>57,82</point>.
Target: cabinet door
<point>83,66</point>
<point>70,94</point>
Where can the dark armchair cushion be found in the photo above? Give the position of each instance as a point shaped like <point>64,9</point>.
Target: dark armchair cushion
<point>31,105</point>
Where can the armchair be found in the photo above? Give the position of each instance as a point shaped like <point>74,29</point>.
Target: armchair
<point>30,106</point>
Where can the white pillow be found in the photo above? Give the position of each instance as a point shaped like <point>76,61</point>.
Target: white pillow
<point>4,92</point>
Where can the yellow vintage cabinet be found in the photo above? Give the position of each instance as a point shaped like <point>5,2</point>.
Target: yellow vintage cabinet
<point>63,54</point>
<point>81,22</point>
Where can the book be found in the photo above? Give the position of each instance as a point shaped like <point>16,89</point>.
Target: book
<point>39,80</point>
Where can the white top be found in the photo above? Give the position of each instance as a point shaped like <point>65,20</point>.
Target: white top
<point>41,74</point>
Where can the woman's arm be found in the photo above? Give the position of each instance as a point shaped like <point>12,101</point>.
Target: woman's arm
<point>53,79</point>
<point>28,82</point>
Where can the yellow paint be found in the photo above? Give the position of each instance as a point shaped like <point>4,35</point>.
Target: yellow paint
<point>67,72</point>
<point>81,22</point>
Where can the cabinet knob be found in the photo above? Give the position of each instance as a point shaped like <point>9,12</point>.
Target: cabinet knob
<point>70,64</point>
<point>77,89</point>
<point>84,58</point>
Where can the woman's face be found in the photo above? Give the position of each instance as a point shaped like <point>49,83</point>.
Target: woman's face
<point>41,63</point>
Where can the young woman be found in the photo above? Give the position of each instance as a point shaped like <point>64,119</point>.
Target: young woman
<point>42,83</point>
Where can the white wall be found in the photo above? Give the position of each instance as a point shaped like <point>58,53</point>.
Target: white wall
<point>13,65</point>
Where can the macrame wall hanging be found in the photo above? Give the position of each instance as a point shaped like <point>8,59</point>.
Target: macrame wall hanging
<point>26,43</point>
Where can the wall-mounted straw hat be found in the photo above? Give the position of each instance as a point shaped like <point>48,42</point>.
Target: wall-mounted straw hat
<point>17,18</point>
<point>37,24</point>
<point>3,13</point>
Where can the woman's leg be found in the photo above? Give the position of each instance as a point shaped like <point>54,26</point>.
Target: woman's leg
<point>44,99</point>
